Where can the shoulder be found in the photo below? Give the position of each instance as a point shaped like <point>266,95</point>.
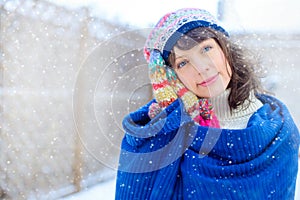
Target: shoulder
<point>274,108</point>
<point>271,100</point>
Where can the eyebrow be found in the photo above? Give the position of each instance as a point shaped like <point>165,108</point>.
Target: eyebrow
<point>179,57</point>
<point>201,44</point>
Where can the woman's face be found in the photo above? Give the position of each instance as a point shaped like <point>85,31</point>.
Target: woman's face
<point>203,69</point>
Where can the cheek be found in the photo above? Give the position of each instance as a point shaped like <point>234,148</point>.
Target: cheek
<point>227,73</point>
<point>183,78</point>
<point>187,79</point>
<point>223,65</point>
<point>228,70</point>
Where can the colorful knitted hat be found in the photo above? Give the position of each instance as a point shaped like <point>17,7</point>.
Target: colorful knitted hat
<point>174,25</point>
<point>166,86</point>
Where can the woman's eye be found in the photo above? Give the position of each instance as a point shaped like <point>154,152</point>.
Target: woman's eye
<point>181,64</point>
<point>206,49</point>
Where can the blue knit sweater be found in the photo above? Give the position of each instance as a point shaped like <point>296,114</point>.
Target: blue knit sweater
<point>169,157</point>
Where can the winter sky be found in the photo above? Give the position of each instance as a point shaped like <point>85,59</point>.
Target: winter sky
<point>278,15</point>
<point>136,12</point>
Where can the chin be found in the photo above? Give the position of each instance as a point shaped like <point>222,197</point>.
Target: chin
<point>209,93</point>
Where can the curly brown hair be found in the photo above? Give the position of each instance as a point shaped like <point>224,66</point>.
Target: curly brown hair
<point>244,78</point>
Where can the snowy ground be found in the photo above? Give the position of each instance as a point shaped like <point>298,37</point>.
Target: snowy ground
<point>106,191</point>
<point>102,191</point>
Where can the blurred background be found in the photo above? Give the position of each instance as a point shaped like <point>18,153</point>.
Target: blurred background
<point>71,70</point>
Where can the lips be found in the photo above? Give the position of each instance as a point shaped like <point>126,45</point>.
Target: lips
<point>209,81</point>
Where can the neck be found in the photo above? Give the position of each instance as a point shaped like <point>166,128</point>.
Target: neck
<point>238,118</point>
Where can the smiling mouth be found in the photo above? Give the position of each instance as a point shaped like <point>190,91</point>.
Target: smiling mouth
<point>209,81</point>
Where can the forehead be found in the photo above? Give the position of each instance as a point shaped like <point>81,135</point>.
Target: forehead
<point>179,52</point>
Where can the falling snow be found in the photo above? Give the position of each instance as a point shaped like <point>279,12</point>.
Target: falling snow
<point>62,112</point>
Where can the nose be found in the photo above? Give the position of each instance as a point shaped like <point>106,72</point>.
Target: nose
<point>200,65</point>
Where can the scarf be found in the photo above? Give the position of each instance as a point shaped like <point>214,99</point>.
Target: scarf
<point>161,158</point>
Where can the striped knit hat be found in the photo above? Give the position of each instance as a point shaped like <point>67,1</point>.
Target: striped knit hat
<point>166,86</point>
<point>174,25</point>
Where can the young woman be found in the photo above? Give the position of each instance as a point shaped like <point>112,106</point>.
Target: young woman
<point>210,132</point>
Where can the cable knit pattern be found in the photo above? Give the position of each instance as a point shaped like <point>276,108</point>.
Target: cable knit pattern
<point>239,118</point>
<point>160,156</point>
